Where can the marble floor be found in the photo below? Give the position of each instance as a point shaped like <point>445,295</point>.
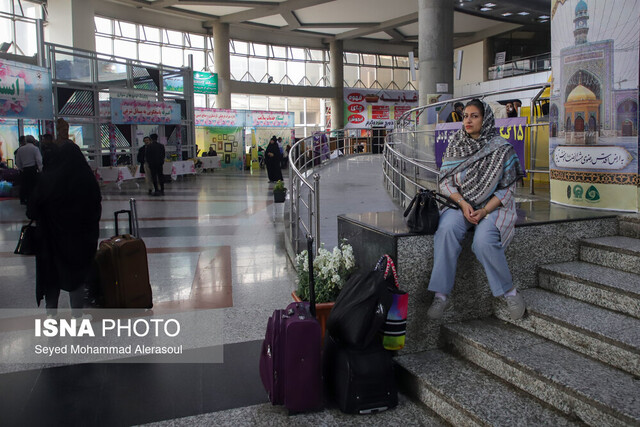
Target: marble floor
<point>215,241</point>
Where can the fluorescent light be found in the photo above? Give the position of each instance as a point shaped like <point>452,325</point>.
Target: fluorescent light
<point>485,9</point>
<point>489,5</point>
<point>523,13</point>
<point>543,17</point>
<point>507,14</point>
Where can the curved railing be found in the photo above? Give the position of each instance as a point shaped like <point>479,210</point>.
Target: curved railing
<point>305,157</point>
<point>409,160</point>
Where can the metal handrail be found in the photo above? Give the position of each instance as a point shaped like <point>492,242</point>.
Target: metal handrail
<point>304,159</point>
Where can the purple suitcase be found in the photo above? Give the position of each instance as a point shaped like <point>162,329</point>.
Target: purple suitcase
<point>290,360</point>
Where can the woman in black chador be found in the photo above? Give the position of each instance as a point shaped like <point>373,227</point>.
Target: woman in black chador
<point>272,158</point>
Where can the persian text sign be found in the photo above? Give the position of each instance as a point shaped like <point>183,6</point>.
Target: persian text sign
<point>134,111</point>
<point>513,130</point>
<point>217,117</point>
<point>205,83</point>
<point>367,108</point>
<point>272,119</point>
<point>25,91</point>
<point>591,157</point>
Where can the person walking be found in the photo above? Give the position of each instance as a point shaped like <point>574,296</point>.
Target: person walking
<point>272,160</point>
<point>154,157</point>
<point>29,162</point>
<point>144,165</point>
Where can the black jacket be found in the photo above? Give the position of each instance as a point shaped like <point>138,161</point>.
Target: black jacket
<point>155,154</point>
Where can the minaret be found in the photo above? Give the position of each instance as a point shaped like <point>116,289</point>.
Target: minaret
<point>581,28</point>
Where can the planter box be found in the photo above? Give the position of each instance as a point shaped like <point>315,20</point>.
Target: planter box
<point>279,196</point>
<point>322,311</point>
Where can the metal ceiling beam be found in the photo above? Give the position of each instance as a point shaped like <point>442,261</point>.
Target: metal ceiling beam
<point>276,9</point>
<point>292,20</point>
<point>395,34</point>
<point>392,23</point>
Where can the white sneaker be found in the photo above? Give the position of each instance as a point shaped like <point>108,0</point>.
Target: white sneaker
<point>515,305</point>
<point>437,308</point>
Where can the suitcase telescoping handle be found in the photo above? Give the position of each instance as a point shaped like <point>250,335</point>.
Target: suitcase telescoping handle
<point>124,211</point>
<point>133,218</point>
<point>312,283</point>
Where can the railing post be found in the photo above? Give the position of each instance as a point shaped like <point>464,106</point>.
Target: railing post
<point>316,205</point>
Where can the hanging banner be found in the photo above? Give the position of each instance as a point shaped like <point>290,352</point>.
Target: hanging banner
<point>513,130</point>
<point>274,119</point>
<point>593,112</point>
<point>134,111</point>
<point>367,108</point>
<point>218,117</point>
<point>25,91</point>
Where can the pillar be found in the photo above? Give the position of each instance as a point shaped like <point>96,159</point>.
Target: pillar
<point>336,65</point>
<point>221,64</point>
<point>435,47</point>
<point>70,23</point>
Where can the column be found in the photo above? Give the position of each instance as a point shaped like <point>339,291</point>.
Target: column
<point>435,50</point>
<point>70,23</point>
<point>336,65</point>
<point>221,64</point>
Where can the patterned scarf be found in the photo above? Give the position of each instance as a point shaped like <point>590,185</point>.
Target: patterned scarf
<point>490,161</point>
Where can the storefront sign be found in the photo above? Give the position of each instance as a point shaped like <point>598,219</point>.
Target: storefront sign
<point>215,117</point>
<point>591,157</point>
<point>368,108</point>
<point>513,130</point>
<point>133,111</point>
<point>25,91</point>
<point>274,119</point>
<point>205,83</point>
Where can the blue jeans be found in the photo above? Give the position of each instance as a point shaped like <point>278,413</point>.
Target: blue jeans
<point>486,246</point>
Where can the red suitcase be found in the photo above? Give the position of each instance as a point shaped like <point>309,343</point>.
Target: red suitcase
<point>123,270</point>
<point>290,361</point>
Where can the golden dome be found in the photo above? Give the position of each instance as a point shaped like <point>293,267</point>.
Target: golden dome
<point>581,93</point>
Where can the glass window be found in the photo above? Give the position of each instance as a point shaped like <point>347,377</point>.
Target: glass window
<point>150,34</point>
<point>149,52</point>
<point>198,59</point>
<point>367,75</point>
<point>385,76</point>
<point>386,61</point>
<point>277,103</point>
<point>403,61</point>
<point>32,10</point>
<point>239,101</point>
<point>369,59</point>
<point>199,100</point>
<point>197,41</point>
<point>298,54</point>
<point>238,66</point>
<point>172,56</point>
<point>279,52</point>
<point>295,71</point>
<point>26,38</point>
<point>351,58</point>
<point>239,47</point>
<point>103,25</point>
<point>315,55</point>
<point>400,77</point>
<point>350,75</point>
<point>125,49</point>
<point>258,102</point>
<point>313,111</point>
<point>257,68</point>
<point>5,6</point>
<point>313,72</point>
<point>128,30</point>
<point>104,45</point>
<point>296,105</point>
<point>5,31</point>
<point>260,49</point>
<point>173,37</point>
<point>277,69</point>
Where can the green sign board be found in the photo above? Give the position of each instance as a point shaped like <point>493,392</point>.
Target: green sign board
<point>205,83</point>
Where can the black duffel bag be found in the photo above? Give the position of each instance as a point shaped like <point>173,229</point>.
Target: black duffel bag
<point>423,213</point>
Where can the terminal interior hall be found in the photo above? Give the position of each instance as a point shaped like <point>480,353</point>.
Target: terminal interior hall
<point>358,100</point>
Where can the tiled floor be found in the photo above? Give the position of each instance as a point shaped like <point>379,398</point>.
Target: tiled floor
<point>214,241</point>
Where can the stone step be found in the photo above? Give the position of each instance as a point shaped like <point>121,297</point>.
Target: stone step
<point>613,338</point>
<point>575,384</point>
<point>464,394</point>
<point>609,288</point>
<point>629,226</point>
<point>619,252</point>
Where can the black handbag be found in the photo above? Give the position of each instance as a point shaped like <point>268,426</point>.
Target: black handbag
<point>27,241</point>
<point>423,214</point>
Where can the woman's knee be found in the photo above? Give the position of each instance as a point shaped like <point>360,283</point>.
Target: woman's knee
<point>483,246</point>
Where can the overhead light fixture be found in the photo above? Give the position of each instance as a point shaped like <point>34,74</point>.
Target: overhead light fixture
<point>542,21</point>
<point>507,14</point>
<point>485,9</point>
<point>523,13</point>
<point>543,17</point>
<point>489,5</point>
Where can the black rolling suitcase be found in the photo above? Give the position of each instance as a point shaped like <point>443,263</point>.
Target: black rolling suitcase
<point>360,381</point>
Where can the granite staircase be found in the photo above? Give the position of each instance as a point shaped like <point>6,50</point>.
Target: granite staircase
<point>574,359</point>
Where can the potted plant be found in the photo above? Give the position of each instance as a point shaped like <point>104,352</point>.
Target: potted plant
<point>331,269</point>
<point>279,192</point>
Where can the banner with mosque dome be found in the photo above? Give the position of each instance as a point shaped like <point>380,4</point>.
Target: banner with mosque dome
<point>593,114</point>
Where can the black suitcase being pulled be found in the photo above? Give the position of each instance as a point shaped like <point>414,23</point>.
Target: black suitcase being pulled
<point>361,381</point>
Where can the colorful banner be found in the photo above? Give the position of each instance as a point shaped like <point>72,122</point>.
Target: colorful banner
<point>273,119</point>
<point>227,141</point>
<point>219,117</point>
<point>513,130</point>
<point>134,111</point>
<point>593,112</point>
<point>367,108</point>
<point>25,91</point>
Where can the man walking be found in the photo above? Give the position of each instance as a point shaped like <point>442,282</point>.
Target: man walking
<point>29,161</point>
<point>154,157</point>
<point>144,165</point>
